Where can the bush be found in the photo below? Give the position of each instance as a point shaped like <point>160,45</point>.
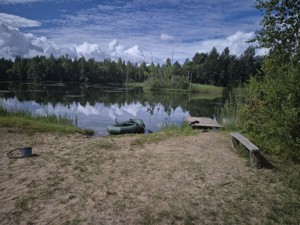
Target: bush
<point>229,112</point>
<point>271,114</point>
<point>177,82</point>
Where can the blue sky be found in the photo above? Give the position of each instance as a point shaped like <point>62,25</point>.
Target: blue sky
<point>135,30</point>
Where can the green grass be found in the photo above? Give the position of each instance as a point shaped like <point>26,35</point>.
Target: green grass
<point>284,208</point>
<point>135,84</point>
<point>183,130</point>
<point>206,89</point>
<point>24,120</point>
<point>194,88</point>
<point>105,144</point>
<point>166,132</point>
<point>198,88</point>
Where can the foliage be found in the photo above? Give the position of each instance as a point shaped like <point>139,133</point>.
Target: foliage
<point>206,89</point>
<point>281,26</point>
<point>205,68</point>
<point>229,112</point>
<point>271,113</point>
<point>177,82</point>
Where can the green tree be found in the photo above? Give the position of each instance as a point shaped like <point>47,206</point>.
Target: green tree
<point>211,67</point>
<point>281,26</point>
<point>142,72</point>
<point>176,69</point>
<point>51,68</point>
<point>18,71</point>
<point>271,113</point>
<point>224,63</point>
<point>35,69</point>
<point>198,73</point>
<point>248,61</point>
<point>187,69</point>
<point>5,65</point>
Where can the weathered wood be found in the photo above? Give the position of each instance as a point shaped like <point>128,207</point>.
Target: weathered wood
<point>248,144</point>
<point>202,122</point>
<point>255,157</point>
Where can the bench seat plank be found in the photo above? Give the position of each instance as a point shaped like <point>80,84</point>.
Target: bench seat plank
<point>255,157</point>
<point>248,144</point>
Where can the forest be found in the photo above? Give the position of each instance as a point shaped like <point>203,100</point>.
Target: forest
<point>213,68</point>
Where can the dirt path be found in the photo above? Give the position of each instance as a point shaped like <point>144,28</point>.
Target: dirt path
<point>125,180</point>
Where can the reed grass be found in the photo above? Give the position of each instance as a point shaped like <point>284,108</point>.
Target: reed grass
<point>206,89</point>
<point>193,88</point>
<point>229,112</point>
<point>183,130</point>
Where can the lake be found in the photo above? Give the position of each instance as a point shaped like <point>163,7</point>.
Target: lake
<point>97,106</point>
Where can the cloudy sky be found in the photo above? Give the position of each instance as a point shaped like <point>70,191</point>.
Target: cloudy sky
<point>135,30</point>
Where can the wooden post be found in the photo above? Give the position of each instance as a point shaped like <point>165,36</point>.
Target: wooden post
<point>235,142</point>
<point>255,158</point>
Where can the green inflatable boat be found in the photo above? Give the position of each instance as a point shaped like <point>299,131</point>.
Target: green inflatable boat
<point>130,126</point>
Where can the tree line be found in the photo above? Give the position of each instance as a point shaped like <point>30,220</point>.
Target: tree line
<point>214,68</point>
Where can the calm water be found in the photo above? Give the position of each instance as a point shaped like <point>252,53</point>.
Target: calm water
<point>97,106</point>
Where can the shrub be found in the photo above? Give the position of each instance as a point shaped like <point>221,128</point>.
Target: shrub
<point>271,114</point>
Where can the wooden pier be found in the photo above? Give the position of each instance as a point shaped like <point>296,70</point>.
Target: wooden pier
<point>202,122</point>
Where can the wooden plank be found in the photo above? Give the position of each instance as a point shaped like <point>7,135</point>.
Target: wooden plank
<point>248,144</point>
<point>255,157</point>
<point>202,122</point>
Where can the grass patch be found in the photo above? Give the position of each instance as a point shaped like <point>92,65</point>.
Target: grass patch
<point>22,205</point>
<point>281,199</point>
<point>166,132</point>
<point>183,130</point>
<point>23,202</point>
<point>135,84</point>
<point>244,153</point>
<point>74,221</point>
<point>29,122</point>
<point>194,88</point>
<point>229,111</point>
<point>104,144</point>
<point>206,89</point>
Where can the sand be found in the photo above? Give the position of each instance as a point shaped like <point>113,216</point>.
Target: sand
<point>76,179</point>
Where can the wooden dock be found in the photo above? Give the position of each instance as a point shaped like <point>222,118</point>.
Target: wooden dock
<point>202,122</point>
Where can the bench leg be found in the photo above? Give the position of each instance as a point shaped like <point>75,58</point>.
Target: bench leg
<point>256,160</point>
<point>235,142</point>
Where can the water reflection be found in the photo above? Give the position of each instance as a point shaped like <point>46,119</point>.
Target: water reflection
<point>97,106</point>
<point>97,117</point>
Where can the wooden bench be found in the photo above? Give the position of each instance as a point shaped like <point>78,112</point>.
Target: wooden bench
<point>255,156</point>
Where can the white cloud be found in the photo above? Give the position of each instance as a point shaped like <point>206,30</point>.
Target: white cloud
<point>115,50</point>
<point>17,21</point>
<point>237,43</point>
<point>12,2</point>
<point>13,42</point>
<point>166,37</point>
<point>142,27</point>
<point>134,54</point>
<point>89,50</point>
